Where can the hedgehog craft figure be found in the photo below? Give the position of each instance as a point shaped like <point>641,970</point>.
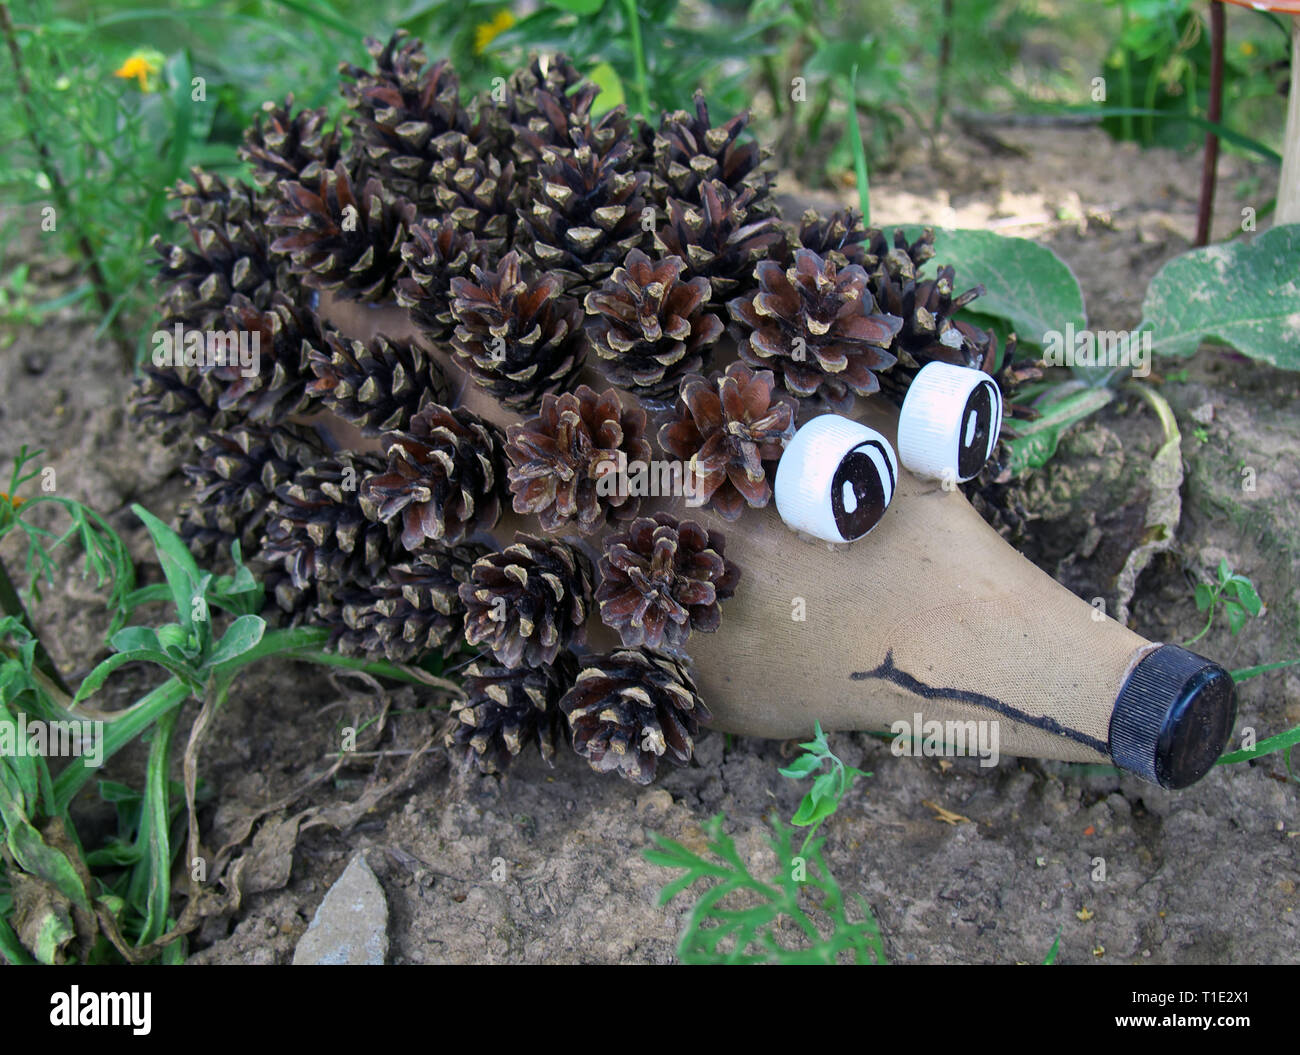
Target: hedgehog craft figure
<point>563,392</point>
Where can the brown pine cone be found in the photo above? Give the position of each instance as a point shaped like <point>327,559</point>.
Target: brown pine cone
<point>443,477</point>
<point>502,112</point>
<point>283,145</point>
<point>817,326</point>
<point>398,109</point>
<point>317,530</point>
<point>650,324</point>
<point>689,150</point>
<point>726,428</point>
<point>661,578</point>
<point>507,708</point>
<point>474,189</point>
<point>233,481</point>
<point>287,334</point>
<point>516,336</point>
<point>210,200</point>
<point>410,609</point>
<point>434,255</point>
<point>528,601</point>
<point>839,237</point>
<point>558,458</point>
<point>340,239</point>
<point>174,401</point>
<point>631,708</point>
<point>584,213</point>
<point>377,385</point>
<point>721,236</point>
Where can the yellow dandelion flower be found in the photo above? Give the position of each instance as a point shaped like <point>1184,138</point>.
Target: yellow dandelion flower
<point>1247,48</point>
<point>141,67</point>
<point>486,32</point>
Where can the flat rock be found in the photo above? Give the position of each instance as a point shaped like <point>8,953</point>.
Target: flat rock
<point>351,925</point>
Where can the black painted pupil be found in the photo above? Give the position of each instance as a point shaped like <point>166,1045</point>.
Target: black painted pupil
<point>973,443</point>
<point>857,495</point>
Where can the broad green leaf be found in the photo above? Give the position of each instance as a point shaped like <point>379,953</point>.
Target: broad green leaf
<point>1204,596</point>
<point>1245,591</point>
<point>801,767</point>
<point>243,634</point>
<point>100,674</point>
<point>178,565</point>
<point>1236,616</point>
<point>136,639</point>
<point>1024,282</point>
<point>1246,294</point>
<point>606,78</point>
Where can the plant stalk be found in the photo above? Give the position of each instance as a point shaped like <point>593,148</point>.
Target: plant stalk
<point>60,191</point>
<point>638,55</point>
<point>1210,164</point>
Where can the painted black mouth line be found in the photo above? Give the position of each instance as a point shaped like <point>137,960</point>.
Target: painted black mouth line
<point>887,671</point>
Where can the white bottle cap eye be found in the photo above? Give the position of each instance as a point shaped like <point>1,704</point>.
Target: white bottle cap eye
<point>950,422</point>
<point>835,479</point>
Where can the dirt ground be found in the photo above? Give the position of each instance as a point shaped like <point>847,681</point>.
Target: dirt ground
<point>1204,875</point>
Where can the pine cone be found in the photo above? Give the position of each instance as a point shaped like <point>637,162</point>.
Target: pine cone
<point>721,237</point>
<point>283,145</point>
<point>900,257</point>
<point>434,255</point>
<point>227,258</point>
<point>929,332</point>
<point>516,337</point>
<point>499,113</point>
<point>410,609</point>
<point>528,601</point>
<point>506,708</point>
<point>377,385</point>
<point>175,401</point>
<point>287,333</point>
<point>726,428</point>
<point>661,578</point>
<point>211,200</point>
<point>630,708</point>
<point>689,150</point>
<point>476,191</point>
<point>339,240</point>
<point>817,326</point>
<point>650,323</point>
<point>557,457</point>
<point>233,483</point>
<point>399,110</point>
<point>839,237</point>
<point>317,530</point>
<point>585,212</point>
<point>442,477</point>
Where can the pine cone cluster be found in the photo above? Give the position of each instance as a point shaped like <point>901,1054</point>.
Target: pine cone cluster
<point>817,326</point>
<point>506,708</point>
<point>516,337</point>
<point>726,428</point>
<point>650,325</point>
<point>663,578</point>
<point>528,601</point>
<point>688,151</point>
<point>442,480</point>
<point>632,708</point>
<point>564,462</point>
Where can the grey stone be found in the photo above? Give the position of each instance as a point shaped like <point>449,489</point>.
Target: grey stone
<point>351,925</point>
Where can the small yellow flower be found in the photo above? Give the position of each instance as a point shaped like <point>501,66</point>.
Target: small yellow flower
<point>15,503</point>
<point>1247,48</point>
<point>142,66</point>
<point>486,32</point>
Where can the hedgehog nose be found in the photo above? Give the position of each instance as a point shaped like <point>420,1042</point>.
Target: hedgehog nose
<point>1173,717</point>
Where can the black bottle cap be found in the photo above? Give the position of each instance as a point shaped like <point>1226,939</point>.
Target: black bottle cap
<point>1173,717</point>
